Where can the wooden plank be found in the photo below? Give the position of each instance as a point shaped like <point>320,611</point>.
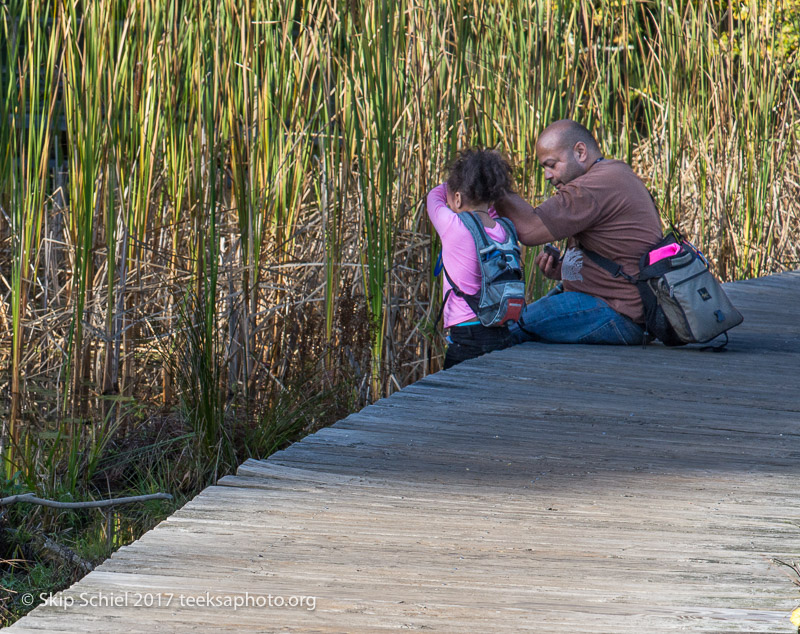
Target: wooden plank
<point>609,489</point>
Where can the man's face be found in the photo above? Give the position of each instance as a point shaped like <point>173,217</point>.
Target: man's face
<point>560,164</point>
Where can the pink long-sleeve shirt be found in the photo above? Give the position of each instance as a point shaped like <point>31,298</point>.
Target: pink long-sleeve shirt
<point>458,253</point>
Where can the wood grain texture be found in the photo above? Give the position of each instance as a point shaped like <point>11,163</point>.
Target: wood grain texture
<point>542,488</point>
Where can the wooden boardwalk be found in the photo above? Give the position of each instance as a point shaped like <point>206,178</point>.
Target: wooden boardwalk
<point>542,488</point>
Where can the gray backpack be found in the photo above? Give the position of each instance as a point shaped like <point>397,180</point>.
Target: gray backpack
<point>683,301</point>
<point>502,295</point>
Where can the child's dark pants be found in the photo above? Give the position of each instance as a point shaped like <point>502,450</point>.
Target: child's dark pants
<point>468,342</point>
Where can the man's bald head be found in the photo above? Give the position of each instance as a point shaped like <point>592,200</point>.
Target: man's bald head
<point>566,150</point>
<point>565,133</point>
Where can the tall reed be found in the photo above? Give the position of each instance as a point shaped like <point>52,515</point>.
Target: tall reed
<point>28,119</point>
<point>239,185</point>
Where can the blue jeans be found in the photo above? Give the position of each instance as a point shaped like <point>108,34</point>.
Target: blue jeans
<point>572,317</point>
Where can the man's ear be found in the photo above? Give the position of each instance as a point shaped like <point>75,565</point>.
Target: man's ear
<point>580,151</point>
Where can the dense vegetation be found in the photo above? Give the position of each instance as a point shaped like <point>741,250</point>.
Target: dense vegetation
<point>211,222</point>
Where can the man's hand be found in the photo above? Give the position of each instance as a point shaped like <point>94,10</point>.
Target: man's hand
<point>529,226</point>
<point>548,265</point>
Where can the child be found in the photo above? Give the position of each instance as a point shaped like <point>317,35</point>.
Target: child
<point>476,178</point>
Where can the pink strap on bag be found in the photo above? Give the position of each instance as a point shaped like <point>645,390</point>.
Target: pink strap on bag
<point>663,252</point>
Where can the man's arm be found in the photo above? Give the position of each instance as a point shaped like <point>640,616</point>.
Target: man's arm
<point>529,226</point>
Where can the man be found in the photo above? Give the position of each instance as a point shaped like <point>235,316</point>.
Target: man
<point>602,206</point>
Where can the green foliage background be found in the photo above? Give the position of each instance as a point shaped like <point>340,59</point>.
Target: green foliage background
<point>212,234</point>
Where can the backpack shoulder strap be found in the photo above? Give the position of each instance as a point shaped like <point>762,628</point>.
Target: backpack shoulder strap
<point>475,227</point>
<point>441,309</point>
<point>511,230</point>
<point>472,300</point>
<point>609,265</point>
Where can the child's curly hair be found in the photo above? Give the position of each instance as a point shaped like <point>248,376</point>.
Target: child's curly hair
<point>482,176</point>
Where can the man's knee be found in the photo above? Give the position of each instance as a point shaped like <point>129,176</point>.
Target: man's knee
<point>574,318</point>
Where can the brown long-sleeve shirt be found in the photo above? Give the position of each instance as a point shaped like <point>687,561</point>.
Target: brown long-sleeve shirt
<point>609,211</point>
